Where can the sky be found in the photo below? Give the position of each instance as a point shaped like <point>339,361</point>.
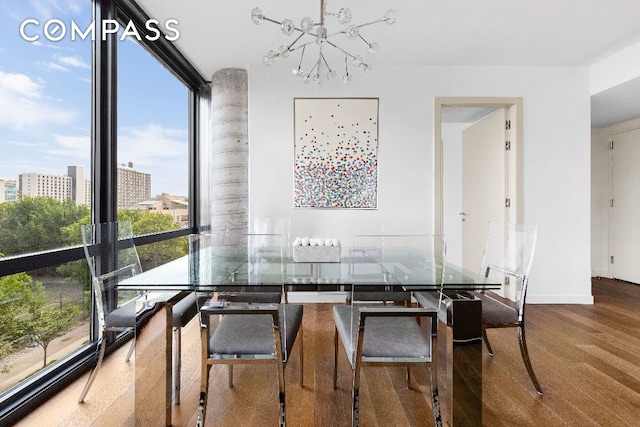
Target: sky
<point>45,100</point>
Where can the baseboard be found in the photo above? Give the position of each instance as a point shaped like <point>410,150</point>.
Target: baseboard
<point>317,297</point>
<point>559,299</point>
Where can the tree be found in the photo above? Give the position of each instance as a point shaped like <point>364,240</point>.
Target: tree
<point>49,323</point>
<point>146,222</point>
<point>36,223</point>
<point>18,294</point>
<point>23,315</point>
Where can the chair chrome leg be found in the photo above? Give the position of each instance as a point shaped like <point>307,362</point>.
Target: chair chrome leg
<point>335,359</point>
<point>486,341</point>
<point>527,361</point>
<point>281,396</point>
<point>131,348</point>
<point>94,371</point>
<point>201,410</point>
<point>204,387</point>
<point>177,351</point>
<point>435,398</point>
<point>355,414</point>
<point>300,349</point>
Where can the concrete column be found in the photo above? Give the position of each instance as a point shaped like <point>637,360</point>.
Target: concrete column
<point>229,192</point>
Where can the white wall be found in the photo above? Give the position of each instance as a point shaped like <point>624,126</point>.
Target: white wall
<point>556,115</point>
<point>615,69</point>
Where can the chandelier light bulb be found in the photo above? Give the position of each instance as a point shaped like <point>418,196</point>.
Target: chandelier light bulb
<point>352,32</point>
<point>346,78</point>
<point>287,27</point>
<point>257,16</point>
<point>306,24</point>
<point>283,51</point>
<point>270,58</point>
<point>331,75</point>
<point>344,16</point>
<point>373,48</point>
<point>389,17</point>
<point>297,71</point>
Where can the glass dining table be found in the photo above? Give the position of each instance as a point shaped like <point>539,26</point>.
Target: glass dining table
<point>213,267</point>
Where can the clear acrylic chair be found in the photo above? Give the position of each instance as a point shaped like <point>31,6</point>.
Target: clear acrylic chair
<point>112,314</point>
<point>247,322</point>
<point>507,259</point>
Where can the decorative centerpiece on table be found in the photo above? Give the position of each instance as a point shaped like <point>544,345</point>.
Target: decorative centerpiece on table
<point>306,249</point>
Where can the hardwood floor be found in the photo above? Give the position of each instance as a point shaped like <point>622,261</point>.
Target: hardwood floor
<point>587,358</point>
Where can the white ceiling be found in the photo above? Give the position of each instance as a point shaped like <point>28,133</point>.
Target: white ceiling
<point>217,34</point>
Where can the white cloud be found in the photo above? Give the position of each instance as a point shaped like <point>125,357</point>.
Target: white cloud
<point>21,84</point>
<point>73,146</point>
<point>23,104</point>
<point>72,61</point>
<point>54,8</point>
<point>145,144</point>
<point>62,62</point>
<point>24,143</point>
<point>52,66</point>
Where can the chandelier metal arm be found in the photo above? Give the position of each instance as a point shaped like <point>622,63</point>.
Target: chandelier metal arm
<point>366,24</point>
<point>325,61</point>
<point>303,45</point>
<point>295,41</point>
<point>341,49</point>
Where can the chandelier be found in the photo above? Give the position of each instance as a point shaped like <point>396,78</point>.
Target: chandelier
<point>317,34</point>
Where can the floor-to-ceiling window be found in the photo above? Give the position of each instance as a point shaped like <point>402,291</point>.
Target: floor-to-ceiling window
<point>153,150</point>
<point>57,111</point>
<point>45,125</point>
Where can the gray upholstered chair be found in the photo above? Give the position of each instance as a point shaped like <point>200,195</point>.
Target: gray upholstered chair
<point>507,258</point>
<point>383,335</point>
<point>250,324</point>
<point>386,336</point>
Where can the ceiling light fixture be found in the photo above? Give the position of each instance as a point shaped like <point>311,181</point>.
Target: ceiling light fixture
<point>321,38</point>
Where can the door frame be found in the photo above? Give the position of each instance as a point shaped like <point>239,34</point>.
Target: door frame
<point>516,183</point>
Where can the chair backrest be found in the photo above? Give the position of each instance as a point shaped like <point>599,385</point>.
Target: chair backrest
<point>104,280</point>
<point>508,257</point>
<point>268,225</point>
<point>407,258</point>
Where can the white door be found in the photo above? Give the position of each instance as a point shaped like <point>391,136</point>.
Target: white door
<point>625,218</point>
<point>484,183</point>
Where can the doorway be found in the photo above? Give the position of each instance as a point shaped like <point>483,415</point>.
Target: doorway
<point>487,132</point>
<point>624,227</point>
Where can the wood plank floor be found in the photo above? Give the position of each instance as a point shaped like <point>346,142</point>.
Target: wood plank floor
<point>587,358</point>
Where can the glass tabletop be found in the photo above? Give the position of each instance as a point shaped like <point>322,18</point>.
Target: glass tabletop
<point>210,266</point>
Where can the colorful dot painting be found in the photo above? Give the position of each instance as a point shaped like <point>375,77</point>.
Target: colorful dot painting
<point>336,170</point>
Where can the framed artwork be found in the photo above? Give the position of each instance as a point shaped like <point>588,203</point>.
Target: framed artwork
<point>336,153</point>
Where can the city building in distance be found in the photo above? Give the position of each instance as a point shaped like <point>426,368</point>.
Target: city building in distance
<point>133,186</point>
<point>8,190</point>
